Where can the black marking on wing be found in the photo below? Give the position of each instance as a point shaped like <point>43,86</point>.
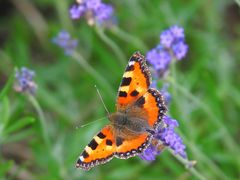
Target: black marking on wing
<point>85,154</point>
<point>126,81</point>
<point>122,94</point>
<point>130,68</point>
<point>134,93</point>
<point>101,135</point>
<point>109,142</point>
<point>141,101</point>
<point>93,144</point>
<point>119,141</point>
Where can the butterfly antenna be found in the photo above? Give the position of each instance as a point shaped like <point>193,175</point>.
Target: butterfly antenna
<point>90,123</point>
<point>102,100</point>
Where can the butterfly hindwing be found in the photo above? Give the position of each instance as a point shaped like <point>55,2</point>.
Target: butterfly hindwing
<point>127,148</point>
<point>135,82</point>
<point>99,151</point>
<point>152,102</point>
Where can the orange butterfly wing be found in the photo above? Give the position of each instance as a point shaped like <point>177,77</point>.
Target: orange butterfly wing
<point>132,147</point>
<point>99,151</point>
<point>135,82</point>
<point>152,102</point>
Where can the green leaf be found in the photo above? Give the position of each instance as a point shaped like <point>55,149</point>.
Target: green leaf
<point>8,86</point>
<point>4,169</point>
<point>5,113</point>
<point>19,124</point>
<point>18,136</point>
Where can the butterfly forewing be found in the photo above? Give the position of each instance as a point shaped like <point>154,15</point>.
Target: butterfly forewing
<point>135,82</point>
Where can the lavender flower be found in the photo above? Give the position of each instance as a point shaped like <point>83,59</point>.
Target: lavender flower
<point>95,11</point>
<point>159,58</point>
<point>150,153</point>
<point>177,32</point>
<point>166,136</point>
<point>180,50</point>
<point>172,45</point>
<point>24,81</point>
<point>93,4</point>
<point>76,11</point>
<point>104,13</point>
<point>166,38</point>
<point>166,94</point>
<point>64,41</point>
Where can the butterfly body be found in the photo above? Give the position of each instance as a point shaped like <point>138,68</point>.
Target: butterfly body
<point>130,123</point>
<point>139,111</point>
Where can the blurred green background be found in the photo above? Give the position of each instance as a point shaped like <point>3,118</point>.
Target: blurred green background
<point>205,95</point>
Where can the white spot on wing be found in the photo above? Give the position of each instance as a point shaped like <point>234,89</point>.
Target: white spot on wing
<point>81,158</point>
<point>131,63</point>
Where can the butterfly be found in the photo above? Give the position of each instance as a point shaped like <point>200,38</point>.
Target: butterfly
<point>139,111</point>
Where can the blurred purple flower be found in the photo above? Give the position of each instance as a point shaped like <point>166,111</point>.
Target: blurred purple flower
<point>24,81</point>
<point>95,11</point>
<point>166,38</point>
<point>172,45</point>
<point>150,153</point>
<point>76,11</point>
<point>177,32</point>
<point>170,138</point>
<point>180,50</point>
<point>166,135</point>
<point>92,4</point>
<point>64,41</point>
<point>104,13</point>
<point>166,94</point>
<point>159,58</point>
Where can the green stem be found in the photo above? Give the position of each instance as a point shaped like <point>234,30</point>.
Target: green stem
<point>192,146</point>
<point>188,164</point>
<point>42,119</point>
<point>229,141</point>
<point>78,57</point>
<point>112,45</point>
<point>208,161</point>
<point>129,38</point>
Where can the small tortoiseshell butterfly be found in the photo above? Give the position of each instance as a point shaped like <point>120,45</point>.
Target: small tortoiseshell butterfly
<point>139,111</point>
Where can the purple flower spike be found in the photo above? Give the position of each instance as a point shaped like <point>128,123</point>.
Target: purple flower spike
<point>93,4</point>
<point>166,94</point>
<point>177,32</point>
<point>150,153</point>
<point>24,81</point>
<point>64,41</point>
<point>104,13</point>
<point>159,58</point>
<point>170,138</point>
<point>172,46</point>
<point>166,136</point>
<point>76,11</point>
<point>95,12</point>
<point>180,50</point>
<point>166,38</point>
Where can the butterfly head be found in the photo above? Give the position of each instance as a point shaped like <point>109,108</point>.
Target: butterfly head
<point>118,118</point>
